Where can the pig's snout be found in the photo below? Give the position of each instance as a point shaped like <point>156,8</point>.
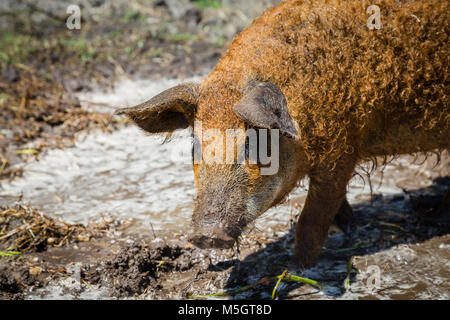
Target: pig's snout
<point>208,237</point>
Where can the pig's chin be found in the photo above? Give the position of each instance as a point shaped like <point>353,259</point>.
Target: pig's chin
<point>206,242</point>
<point>213,238</point>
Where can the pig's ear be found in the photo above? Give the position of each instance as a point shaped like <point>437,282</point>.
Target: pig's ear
<point>264,105</point>
<point>172,109</point>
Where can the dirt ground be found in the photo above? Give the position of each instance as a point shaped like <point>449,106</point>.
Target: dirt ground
<point>42,68</point>
<point>94,262</point>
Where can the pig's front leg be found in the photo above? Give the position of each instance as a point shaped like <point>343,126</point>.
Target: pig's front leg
<point>326,195</point>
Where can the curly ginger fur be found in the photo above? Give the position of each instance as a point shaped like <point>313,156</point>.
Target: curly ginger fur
<point>350,89</point>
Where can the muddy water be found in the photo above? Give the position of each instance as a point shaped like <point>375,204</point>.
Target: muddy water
<point>127,175</point>
<point>124,175</point>
<point>139,179</point>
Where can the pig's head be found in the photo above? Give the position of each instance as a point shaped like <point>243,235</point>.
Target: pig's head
<point>234,185</point>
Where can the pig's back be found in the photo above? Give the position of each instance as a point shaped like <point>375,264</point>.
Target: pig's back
<point>352,89</point>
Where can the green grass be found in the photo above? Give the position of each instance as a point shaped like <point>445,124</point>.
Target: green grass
<point>182,37</point>
<point>285,276</point>
<point>3,98</point>
<point>203,4</point>
<point>155,53</point>
<point>220,42</point>
<point>27,151</point>
<point>16,47</point>
<point>10,253</point>
<point>133,15</point>
<point>87,50</point>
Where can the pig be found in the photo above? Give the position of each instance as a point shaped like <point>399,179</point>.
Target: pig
<point>336,89</point>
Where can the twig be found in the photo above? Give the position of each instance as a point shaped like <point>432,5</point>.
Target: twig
<point>278,282</point>
<point>284,276</point>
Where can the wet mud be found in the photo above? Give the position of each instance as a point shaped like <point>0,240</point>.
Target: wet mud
<point>91,208</point>
<point>411,248</point>
<point>144,188</point>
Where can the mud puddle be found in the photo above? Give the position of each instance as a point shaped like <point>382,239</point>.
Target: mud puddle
<point>148,186</point>
<point>126,174</point>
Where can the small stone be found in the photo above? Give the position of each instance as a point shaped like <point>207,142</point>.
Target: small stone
<point>84,237</point>
<point>35,271</point>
